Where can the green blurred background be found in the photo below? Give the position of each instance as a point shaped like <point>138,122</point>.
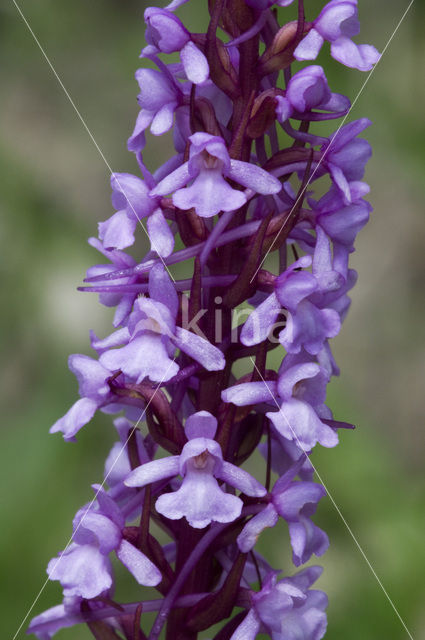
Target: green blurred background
<point>54,189</point>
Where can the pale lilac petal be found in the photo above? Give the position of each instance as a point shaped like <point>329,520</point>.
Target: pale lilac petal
<point>131,193</point>
<point>156,89</point>
<point>116,339</point>
<point>209,194</point>
<point>283,109</point>
<point>160,235</point>
<point>248,628</point>
<point>297,421</point>
<point>249,535</point>
<point>97,529</point>
<point>161,288</point>
<point>293,287</point>
<point>175,180</point>
<point>153,471</point>
<point>117,465</point>
<point>200,500</point>
<point>261,321</point>
<point>361,57</point>
<point>137,140</point>
<point>240,479</point>
<point>201,425</point>
<point>250,393</point>
<point>294,498</point>
<point>118,231</point>
<point>163,119</point>
<point>145,356</point>
<point>309,47</point>
<point>91,376</point>
<point>338,18</point>
<point>295,374</point>
<point>336,103</point>
<point>195,63</point>
<point>306,539</point>
<point>82,571</point>
<point>211,358</point>
<point>138,564</point>
<point>79,414</point>
<point>253,177</point>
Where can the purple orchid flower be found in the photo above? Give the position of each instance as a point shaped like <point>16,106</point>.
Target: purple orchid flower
<point>130,195</point>
<point>199,499</point>
<point>338,23</point>
<point>159,98</point>
<point>346,158</point>
<point>165,33</point>
<point>286,609</point>
<point>295,502</point>
<point>307,326</point>
<point>84,568</point>
<point>208,166</point>
<point>94,391</point>
<point>299,393</point>
<point>308,89</point>
<point>153,337</point>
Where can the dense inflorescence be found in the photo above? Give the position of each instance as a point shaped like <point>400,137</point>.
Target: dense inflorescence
<point>205,370</point>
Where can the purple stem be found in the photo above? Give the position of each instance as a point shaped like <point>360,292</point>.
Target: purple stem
<point>186,570</point>
<point>213,237</point>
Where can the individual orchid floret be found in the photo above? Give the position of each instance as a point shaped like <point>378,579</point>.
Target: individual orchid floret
<point>286,609</point>
<point>299,395</point>
<point>200,499</point>
<point>307,326</point>
<point>346,158</point>
<point>295,502</point>
<point>338,23</point>
<point>94,391</point>
<point>308,89</point>
<point>209,165</point>
<point>84,568</point>
<point>165,33</point>
<point>153,337</point>
<point>130,195</point>
<point>159,97</point>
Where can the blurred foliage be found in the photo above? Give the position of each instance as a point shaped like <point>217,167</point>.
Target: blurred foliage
<point>54,189</point>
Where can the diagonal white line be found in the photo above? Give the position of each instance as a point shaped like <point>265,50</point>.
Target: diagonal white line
<point>83,122</point>
<point>92,502</point>
<point>338,510</point>
<point>368,77</point>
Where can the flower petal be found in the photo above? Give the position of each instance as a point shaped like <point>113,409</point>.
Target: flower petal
<point>248,393</point>
<point>79,415</point>
<point>138,564</point>
<point>153,471</point>
<point>248,537</point>
<point>211,358</point>
<point>160,235</point>
<point>253,177</point>
<point>240,479</point>
<point>195,63</point>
